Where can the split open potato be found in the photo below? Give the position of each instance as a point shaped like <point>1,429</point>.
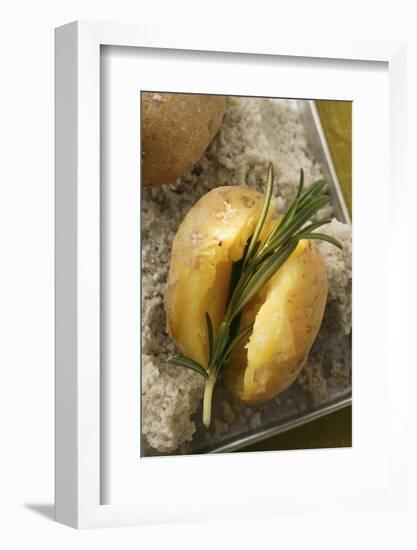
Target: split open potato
<point>287,312</point>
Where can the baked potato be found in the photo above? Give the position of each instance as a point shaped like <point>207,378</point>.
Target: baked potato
<point>287,311</point>
<point>176,130</point>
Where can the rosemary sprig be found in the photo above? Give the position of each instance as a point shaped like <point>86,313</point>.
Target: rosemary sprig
<point>259,263</point>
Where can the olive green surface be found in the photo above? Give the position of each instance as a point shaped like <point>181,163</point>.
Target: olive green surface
<point>336,119</point>
<point>335,429</point>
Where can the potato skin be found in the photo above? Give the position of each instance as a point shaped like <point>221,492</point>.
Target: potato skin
<point>287,314</point>
<point>176,130</point>
<point>211,237</point>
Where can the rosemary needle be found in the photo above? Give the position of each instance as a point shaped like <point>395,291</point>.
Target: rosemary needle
<point>259,263</point>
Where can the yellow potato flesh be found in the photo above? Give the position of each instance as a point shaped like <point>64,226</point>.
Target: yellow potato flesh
<point>287,313</point>
<point>211,237</point>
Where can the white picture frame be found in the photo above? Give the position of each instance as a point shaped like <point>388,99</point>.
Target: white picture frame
<point>78,405</point>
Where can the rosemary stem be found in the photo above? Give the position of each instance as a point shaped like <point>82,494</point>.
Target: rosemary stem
<point>207,399</point>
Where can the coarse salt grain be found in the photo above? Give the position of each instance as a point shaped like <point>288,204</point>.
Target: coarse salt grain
<point>196,237</point>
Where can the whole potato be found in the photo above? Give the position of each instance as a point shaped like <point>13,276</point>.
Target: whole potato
<point>287,312</point>
<point>176,130</point>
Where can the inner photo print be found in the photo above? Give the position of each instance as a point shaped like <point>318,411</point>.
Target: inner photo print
<point>246,273</point>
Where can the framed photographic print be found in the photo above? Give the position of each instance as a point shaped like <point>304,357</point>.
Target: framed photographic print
<point>208,296</point>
